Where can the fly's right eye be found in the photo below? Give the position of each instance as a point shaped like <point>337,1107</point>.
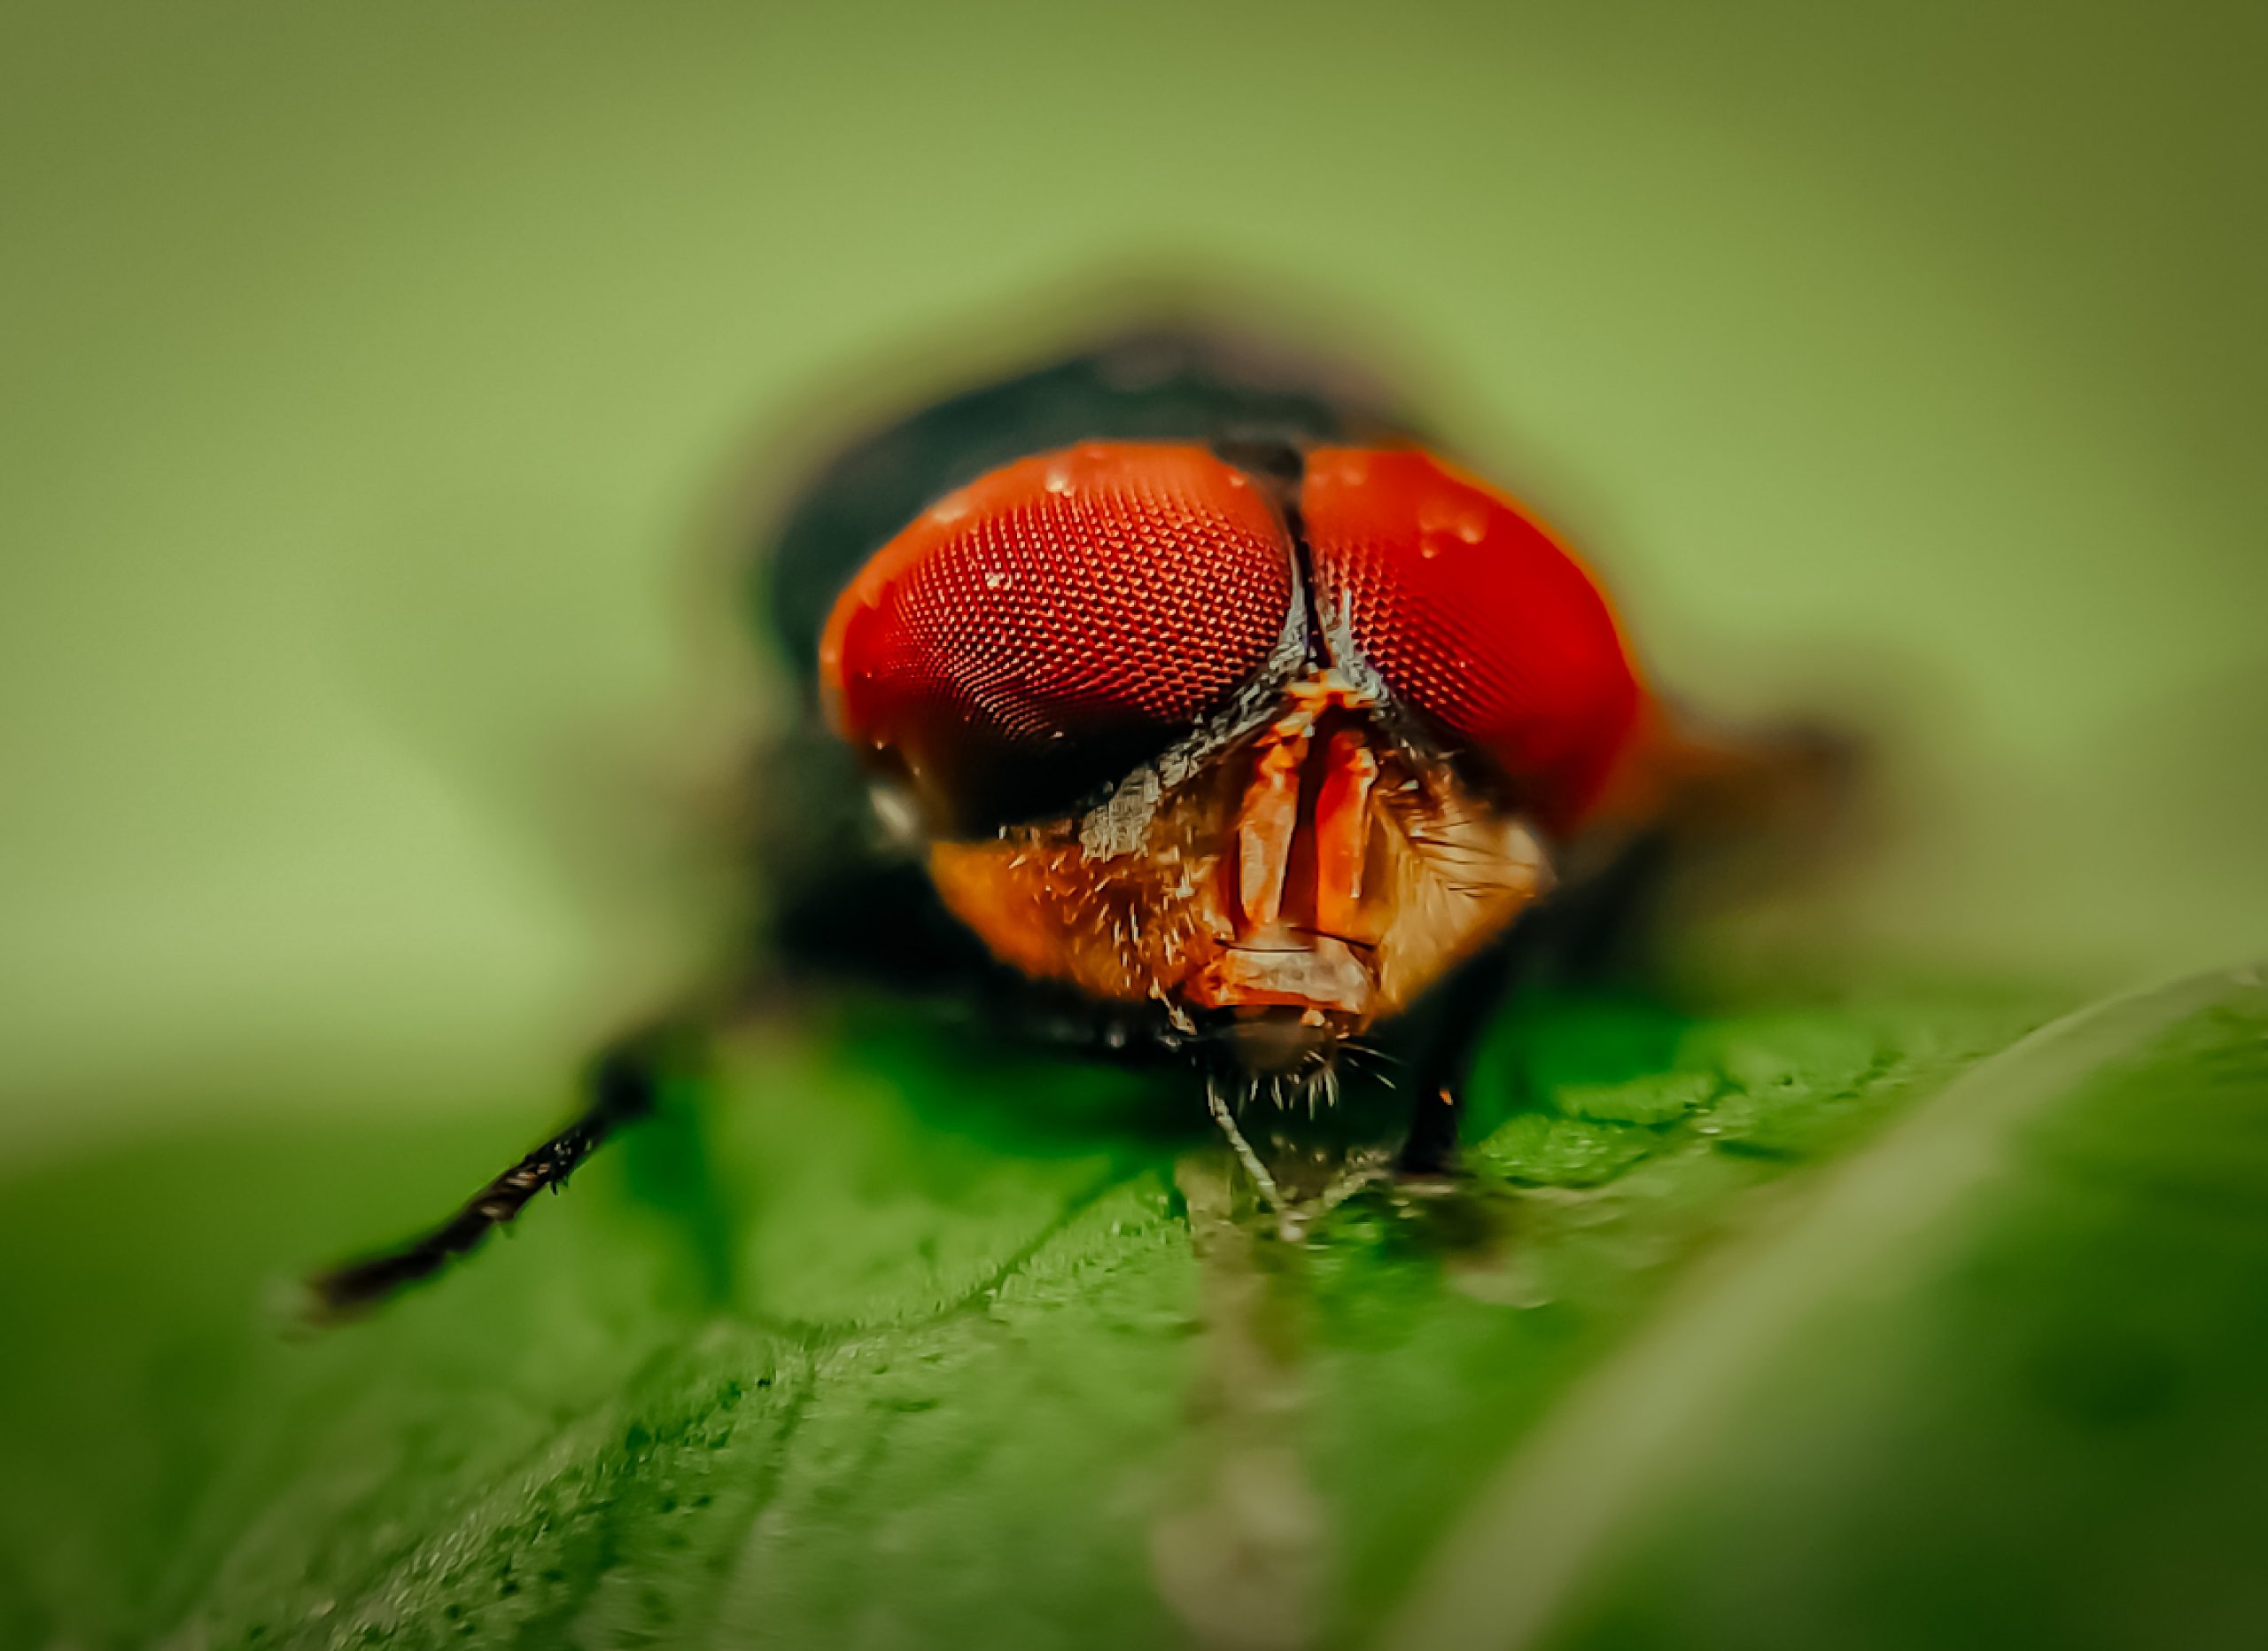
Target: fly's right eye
<point>1038,634</point>
<point>1476,617</point>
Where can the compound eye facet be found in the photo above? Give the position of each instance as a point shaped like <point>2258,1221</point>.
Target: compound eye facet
<point>1476,617</point>
<point>1043,630</point>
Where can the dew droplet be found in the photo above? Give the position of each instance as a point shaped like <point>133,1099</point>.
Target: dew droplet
<point>1058,479</point>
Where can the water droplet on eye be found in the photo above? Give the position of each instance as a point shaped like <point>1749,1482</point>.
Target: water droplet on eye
<point>1428,549</point>
<point>949,509</point>
<point>1058,479</point>
<point>1472,527</point>
<point>1236,478</point>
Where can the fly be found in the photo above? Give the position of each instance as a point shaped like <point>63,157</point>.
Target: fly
<point>1215,712</point>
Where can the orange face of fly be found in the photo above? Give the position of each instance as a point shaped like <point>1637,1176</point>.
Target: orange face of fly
<point>1280,752</point>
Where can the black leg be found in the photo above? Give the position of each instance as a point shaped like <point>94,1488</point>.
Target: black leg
<point>1596,930</point>
<point>1470,999</point>
<point>623,1084</point>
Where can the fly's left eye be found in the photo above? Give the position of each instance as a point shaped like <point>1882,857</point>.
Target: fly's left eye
<point>1061,619</point>
<point>1476,617</point>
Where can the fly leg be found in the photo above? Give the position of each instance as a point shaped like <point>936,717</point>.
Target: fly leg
<point>1596,930</point>
<point>1223,1115</point>
<point>622,1085</point>
<point>1471,998</point>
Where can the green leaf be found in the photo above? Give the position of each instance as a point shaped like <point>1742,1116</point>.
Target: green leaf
<point>888,1340</point>
<point>1996,1379</point>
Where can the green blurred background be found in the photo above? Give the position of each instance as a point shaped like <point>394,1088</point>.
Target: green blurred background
<point>376,383</point>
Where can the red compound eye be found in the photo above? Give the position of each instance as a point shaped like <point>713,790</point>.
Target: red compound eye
<point>1476,617</point>
<point>1055,621</point>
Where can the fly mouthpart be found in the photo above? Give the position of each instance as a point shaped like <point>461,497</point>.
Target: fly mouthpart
<point>1284,1041</point>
